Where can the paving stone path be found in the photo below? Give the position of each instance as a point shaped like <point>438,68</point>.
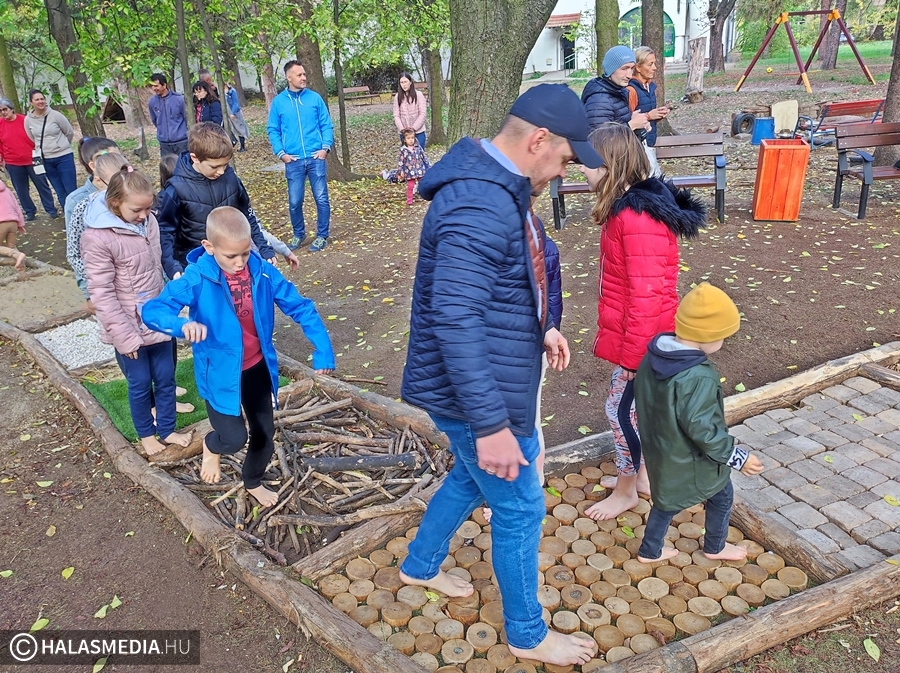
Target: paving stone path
<point>829,465</point>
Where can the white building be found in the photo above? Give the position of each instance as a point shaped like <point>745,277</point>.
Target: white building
<point>556,49</point>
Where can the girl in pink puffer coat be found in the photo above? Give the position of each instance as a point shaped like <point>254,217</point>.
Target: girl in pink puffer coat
<point>12,222</point>
<point>123,263</point>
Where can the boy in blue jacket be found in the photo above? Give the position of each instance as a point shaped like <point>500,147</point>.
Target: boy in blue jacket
<point>232,293</point>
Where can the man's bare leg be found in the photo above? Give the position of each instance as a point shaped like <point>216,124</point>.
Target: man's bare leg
<point>451,585</point>
<point>559,649</point>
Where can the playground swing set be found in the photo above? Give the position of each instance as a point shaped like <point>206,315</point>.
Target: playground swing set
<point>784,18</point>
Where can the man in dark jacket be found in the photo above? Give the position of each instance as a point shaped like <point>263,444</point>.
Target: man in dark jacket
<point>479,318</point>
<point>168,116</point>
<point>605,98</point>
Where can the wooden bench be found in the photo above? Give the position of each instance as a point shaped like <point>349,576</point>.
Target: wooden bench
<point>851,137</point>
<point>667,147</point>
<point>361,94</point>
<point>810,129</point>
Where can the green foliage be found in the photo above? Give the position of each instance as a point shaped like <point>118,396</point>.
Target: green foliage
<point>581,74</point>
<point>752,33</point>
<point>381,77</point>
<point>537,74</point>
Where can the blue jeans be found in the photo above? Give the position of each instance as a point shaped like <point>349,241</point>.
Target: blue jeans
<point>419,136</point>
<point>151,378</point>
<point>297,172</point>
<point>718,514</point>
<point>518,510</point>
<point>61,173</point>
<point>20,175</point>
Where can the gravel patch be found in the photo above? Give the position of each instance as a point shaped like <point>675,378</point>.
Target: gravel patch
<point>76,344</point>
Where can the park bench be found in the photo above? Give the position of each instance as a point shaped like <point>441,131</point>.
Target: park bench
<point>851,137</point>
<point>667,147</point>
<point>818,132</point>
<point>361,94</point>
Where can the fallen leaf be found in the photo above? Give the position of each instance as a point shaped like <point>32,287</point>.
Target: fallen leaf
<point>51,531</point>
<point>101,613</point>
<point>24,438</point>
<point>107,475</point>
<point>431,596</point>
<point>115,602</point>
<point>129,533</point>
<point>44,484</point>
<point>6,573</point>
<point>740,387</point>
<point>67,572</point>
<point>99,664</point>
<point>628,531</point>
<point>597,488</point>
<point>583,429</point>
<point>287,665</point>
<point>552,491</point>
<point>827,458</point>
<point>892,501</point>
<point>872,649</point>
<point>39,624</point>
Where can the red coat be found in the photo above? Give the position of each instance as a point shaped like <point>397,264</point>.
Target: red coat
<point>639,268</point>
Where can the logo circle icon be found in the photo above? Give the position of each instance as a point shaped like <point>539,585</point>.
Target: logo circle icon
<point>23,647</point>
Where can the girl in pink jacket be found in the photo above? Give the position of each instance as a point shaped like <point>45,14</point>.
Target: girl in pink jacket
<point>123,261</point>
<point>12,222</point>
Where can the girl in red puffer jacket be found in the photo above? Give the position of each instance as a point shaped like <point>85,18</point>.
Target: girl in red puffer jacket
<point>642,219</point>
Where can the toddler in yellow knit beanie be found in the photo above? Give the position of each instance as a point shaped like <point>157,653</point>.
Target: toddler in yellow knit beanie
<point>706,315</point>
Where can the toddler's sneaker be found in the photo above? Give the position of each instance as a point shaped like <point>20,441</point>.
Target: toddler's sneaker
<point>385,174</point>
<point>319,244</point>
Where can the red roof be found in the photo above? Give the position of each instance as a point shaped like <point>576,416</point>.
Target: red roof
<point>562,20</point>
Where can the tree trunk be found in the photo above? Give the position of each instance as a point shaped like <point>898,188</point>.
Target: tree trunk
<point>339,85</point>
<point>823,47</point>
<point>134,115</point>
<point>233,67</point>
<point>491,40</point>
<point>694,89</point>
<point>200,5</point>
<point>830,53</point>
<point>267,72</point>
<point>7,81</point>
<point>718,13</point>
<point>183,62</point>
<point>652,36</point>
<point>606,28</point>
<point>435,78</point>
<point>63,31</point>
<point>889,154</point>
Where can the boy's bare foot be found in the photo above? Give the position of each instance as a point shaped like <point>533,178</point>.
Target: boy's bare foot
<point>451,585</point>
<point>179,438</point>
<point>209,468</point>
<point>643,485</point>
<point>615,504</point>
<point>183,407</point>
<point>559,649</point>
<point>265,497</point>
<point>667,553</point>
<point>729,553</point>
<point>179,391</point>
<point>20,261</point>
<point>152,445</point>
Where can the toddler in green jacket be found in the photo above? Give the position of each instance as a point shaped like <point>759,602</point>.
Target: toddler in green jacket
<point>681,419</point>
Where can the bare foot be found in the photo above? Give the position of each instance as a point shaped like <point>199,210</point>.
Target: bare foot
<point>487,513</point>
<point>729,553</point>
<point>20,261</point>
<point>451,585</point>
<point>209,468</point>
<point>559,649</point>
<point>667,553</point>
<point>179,438</point>
<point>179,391</point>
<point>610,508</point>
<point>183,407</point>
<point>152,445</point>
<point>265,497</point>
<point>643,485</point>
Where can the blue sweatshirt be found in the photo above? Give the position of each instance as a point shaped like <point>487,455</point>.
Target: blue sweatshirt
<point>299,124</point>
<point>167,115</point>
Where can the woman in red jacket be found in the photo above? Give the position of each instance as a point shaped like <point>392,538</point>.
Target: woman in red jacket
<point>642,219</point>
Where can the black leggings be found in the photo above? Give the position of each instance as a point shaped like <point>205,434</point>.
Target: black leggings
<point>229,433</point>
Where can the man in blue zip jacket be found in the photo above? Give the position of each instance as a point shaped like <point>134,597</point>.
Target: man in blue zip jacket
<point>167,115</point>
<point>301,134</point>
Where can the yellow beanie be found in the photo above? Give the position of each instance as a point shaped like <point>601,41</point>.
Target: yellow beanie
<point>706,314</point>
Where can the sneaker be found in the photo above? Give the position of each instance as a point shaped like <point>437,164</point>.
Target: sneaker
<point>54,216</point>
<point>298,242</point>
<point>318,244</point>
<point>385,174</point>
<point>29,218</point>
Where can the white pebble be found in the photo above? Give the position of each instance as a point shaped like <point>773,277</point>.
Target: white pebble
<point>77,344</point>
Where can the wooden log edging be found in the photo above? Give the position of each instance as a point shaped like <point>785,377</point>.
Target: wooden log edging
<point>883,375</point>
<point>37,326</point>
<point>301,605</point>
<point>742,637</point>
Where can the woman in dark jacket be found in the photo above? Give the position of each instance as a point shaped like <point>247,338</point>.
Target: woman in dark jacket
<point>206,104</point>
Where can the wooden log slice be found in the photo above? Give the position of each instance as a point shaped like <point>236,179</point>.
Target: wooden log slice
<point>752,594</point>
<point>413,596</point>
<point>404,641</point>
<point>490,594</point>
<point>617,606</point>
<point>468,530</point>
<point>477,516</point>
<point>700,559</point>
<point>388,578</point>
<point>602,540</point>
<point>643,642</point>
<point>594,666</point>
<point>457,651</point>
<point>734,535</point>
<point>521,667</point>
<point>661,629</point>
<point>775,589</point>
<point>549,525</point>
<point>586,575</point>
<point>480,584</point>
<point>682,517</point>
<point>687,545</point>
<point>669,574</point>
<point>601,590</point>
<point>754,549</point>
<point>449,562</point>
<point>690,530</point>
<point>653,588</point>
<point>575,480</point>
<point>379,598</point>
<point>481,637</point>
<point>601,562</point>
<point>618,654</point>
<point>345,602</point>
<point>583,547</point>
<point>645,609</point>
<point>770,562</point>
<point>380,630</point>
<point>483,541</point>
<point>592,474</point>
<point>477,666</point>
<point>618,556</point>
<point>481,570</point>
<point>332,585</point>
<point>699,518</point>
<point>609,468</point>
<point>567,533</point>
<point>429,642</point>
<point>593,616</point>
<point>794,578</point>
<point>545,561</point>
<point>396,614</point>
<point>574,596</point>
<point>382,558</point>
<point>435,610</point>
<point>492,614</point>
<point>449,629</point>
<point>426,660</point>
<point>690,623</point>
<point>705,607</point>
<point>630,519</point>
<point>364,615</point>
<point>557,483</point>
<point>607,525</point>
<point>572,496</point>
<point>685,591</point>
<point>585,527</point>
<point>465,615</point>
<point>419,625</point>
<point>670,606</point>
<point>460,572</point>
<point>729,577</point>
<point>628,593</point>
<point>553,545</point>
<point>565,621</point>
<point>735,606</point>
<point>397,546</point>
<point>551,501</point>
<point>754,574</point>
<point>636,570</point>
<point>559,576</point>
<point>642,508</point>
<point>411,533</point>
<point>618,578</point>
<point>739,563</point>
<point>633,547</point>
<point>621,537</point>
<point>694,574</point>
<point>500,657</point>
<point>572,560</point>
<point>608,637</point>
<point>630,625</point>
<point>453,669</point>
<point>713,589</point>
<point>548,597</point>
<point>361,589</point>
<point>466,556</point>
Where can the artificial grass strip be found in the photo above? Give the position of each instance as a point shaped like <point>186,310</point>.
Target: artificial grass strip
<point>113,397</point>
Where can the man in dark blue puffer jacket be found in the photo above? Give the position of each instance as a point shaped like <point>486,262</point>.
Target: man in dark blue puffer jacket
<point>479,318</point>
<point>605,98</point>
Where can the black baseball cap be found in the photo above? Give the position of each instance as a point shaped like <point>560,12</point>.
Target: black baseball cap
<point>558,109</point>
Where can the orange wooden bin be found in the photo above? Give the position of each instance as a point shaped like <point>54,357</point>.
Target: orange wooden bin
<point>780,175</point>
